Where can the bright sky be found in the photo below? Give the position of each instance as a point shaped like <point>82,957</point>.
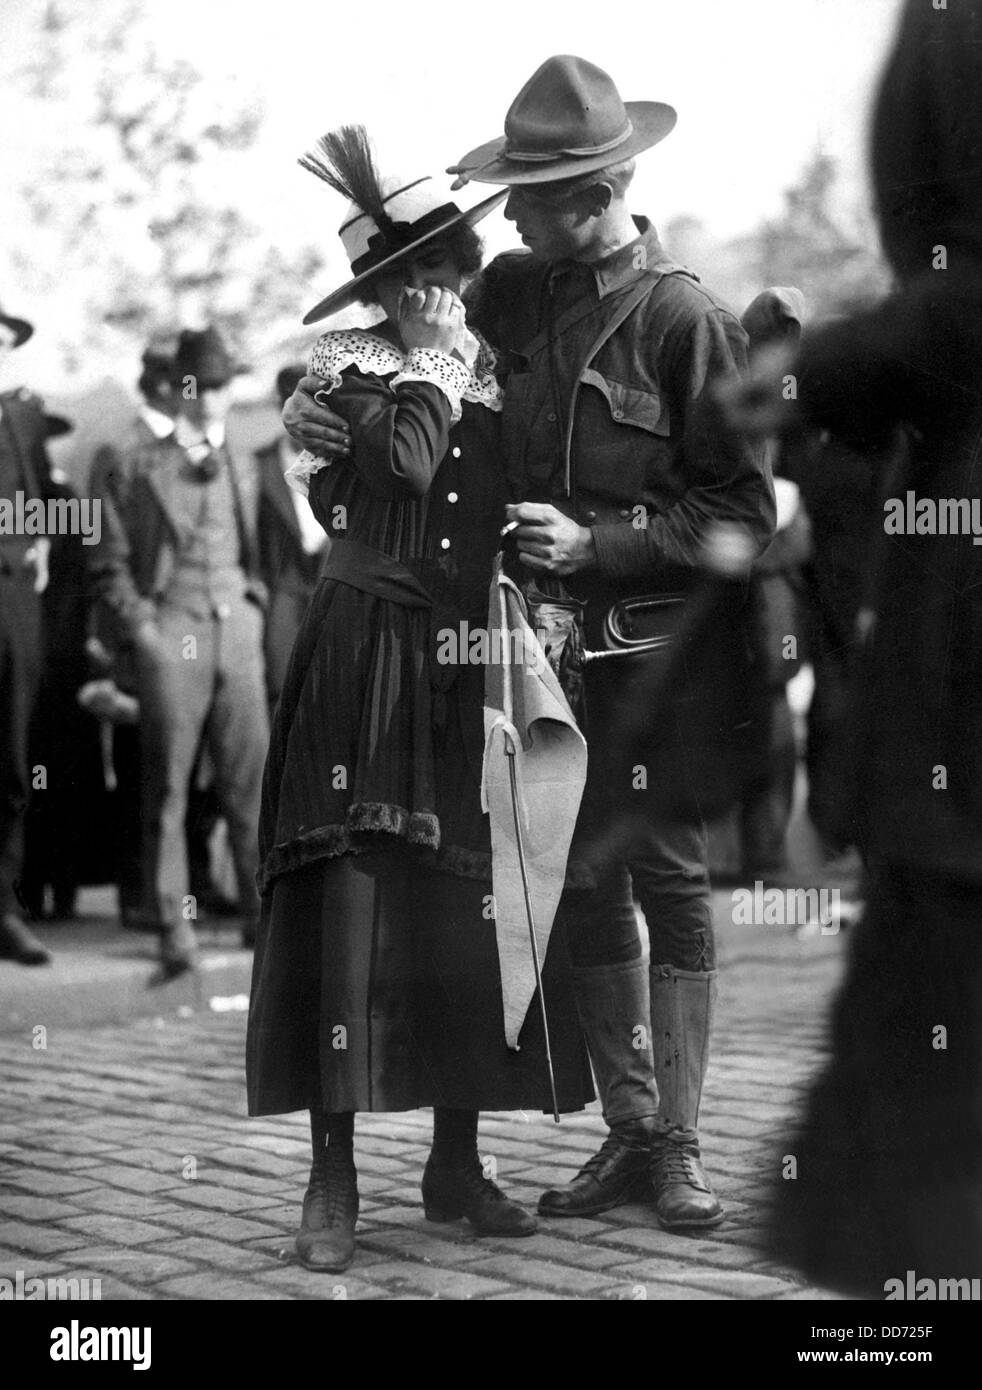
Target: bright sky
<point>758,84</point>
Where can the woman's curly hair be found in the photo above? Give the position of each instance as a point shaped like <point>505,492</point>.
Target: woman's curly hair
<point>463,246</point>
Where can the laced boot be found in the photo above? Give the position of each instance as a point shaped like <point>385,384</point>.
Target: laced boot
<point>612,1001</point>
<point>326,1239</point>
<point>683,1196</point>
<point>455,1186</point>
<point>617,1173</point>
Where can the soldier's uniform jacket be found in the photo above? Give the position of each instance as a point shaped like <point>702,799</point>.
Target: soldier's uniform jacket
<point>607,415</point>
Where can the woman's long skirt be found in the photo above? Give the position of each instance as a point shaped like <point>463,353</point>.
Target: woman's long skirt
<point>376,987</point>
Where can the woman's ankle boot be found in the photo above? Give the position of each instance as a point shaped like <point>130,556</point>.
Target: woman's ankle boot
<point>455,1186</point>
<point>326,1239</point>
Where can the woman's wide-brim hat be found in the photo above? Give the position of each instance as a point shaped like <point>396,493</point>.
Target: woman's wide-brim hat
<point>420,209</point>
<point>20,328</point>
<point>568,120</point>
<point>387,219</point>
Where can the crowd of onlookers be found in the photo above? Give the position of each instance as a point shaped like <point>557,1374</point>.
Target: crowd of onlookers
<point>133,666</point>
<point>137,672</point>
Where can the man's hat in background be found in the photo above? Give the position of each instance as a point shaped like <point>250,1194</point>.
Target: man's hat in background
<point>568,120</point>
<point>774,316</point>
<point>202,354</point>
<point>20,327</point>
<point>388,218</point>
<point>56,425</point>
<point>156,366</point>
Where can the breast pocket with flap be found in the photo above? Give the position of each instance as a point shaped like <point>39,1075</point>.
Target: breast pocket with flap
<point>621,438</point>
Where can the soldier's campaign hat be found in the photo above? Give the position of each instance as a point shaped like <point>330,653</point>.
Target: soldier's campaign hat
<point>568,120</point>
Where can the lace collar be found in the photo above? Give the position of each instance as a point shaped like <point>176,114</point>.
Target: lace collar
<point>356,347</point>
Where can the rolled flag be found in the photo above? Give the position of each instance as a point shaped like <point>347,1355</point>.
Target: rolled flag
<point>534,772</point>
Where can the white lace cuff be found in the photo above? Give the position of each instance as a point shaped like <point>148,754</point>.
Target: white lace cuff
<point>299,474</point>
<point>441,370</point>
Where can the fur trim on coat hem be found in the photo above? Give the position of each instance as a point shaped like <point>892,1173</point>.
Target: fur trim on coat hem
<point>364,819</point>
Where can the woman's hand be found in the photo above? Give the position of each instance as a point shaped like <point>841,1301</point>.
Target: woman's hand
<point>431,318</point>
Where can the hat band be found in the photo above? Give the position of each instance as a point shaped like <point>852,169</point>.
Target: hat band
<point>396,193</point>
<point>399,235</point>
<point>534,157</point>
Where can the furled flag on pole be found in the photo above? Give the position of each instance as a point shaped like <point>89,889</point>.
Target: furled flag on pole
<point>534,773</point>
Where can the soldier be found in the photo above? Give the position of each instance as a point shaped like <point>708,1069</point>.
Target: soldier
<point>619,475</point>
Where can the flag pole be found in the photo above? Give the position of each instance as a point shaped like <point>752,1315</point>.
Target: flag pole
<point>510,752</point>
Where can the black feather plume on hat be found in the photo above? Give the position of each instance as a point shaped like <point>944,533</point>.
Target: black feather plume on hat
<point>344,160</point>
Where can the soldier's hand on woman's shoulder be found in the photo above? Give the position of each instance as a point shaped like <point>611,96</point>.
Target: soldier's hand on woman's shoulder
<point>308,420</point>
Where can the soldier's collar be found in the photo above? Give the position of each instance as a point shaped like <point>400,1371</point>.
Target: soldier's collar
<point>623,266</point>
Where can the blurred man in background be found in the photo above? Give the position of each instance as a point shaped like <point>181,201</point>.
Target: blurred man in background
<point>177,569</point>
<point>24,469</point>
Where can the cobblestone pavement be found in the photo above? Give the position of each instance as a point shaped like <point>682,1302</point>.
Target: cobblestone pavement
<point>126,1155</point>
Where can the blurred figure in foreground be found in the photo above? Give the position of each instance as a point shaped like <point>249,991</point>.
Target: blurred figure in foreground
<point>889,1161</point>
<point>776,618</point>
<point>843,483</point>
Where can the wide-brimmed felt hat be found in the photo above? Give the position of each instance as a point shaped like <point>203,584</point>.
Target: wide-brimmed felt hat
<point>202,354</point>
<point>21,329</point>
<point>567,120</point>
<point>56,425</point>
<point>388,218</point>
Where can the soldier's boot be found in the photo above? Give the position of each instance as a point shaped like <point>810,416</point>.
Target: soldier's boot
<point>612,1001</point>
<point>682,1007</point>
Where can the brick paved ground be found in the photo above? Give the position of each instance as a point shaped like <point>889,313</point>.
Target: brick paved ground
<point>125,1154</point>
